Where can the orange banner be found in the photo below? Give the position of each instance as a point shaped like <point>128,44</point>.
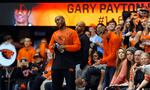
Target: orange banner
<point>90,12</point>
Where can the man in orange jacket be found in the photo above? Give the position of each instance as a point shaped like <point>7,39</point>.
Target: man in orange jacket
<point>111,44</point>
<point>64,42</point>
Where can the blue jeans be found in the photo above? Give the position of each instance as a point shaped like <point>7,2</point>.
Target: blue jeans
<point>109,72</point>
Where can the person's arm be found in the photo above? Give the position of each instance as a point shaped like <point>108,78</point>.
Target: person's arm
<point>85,52</point>
<point>143,84</point>
<point>137,36</point>
<point>114,48</point>
<point>32,56</point>
<point>131,86</point>
<point>76,43</point>
<point>101,80</point>
<point>147,37</point>
<point>133,70</point>
<point>19,57</point>
<point>99,42</point>
<point>51,45</point>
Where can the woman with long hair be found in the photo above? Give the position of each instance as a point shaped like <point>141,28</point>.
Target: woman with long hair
<point>121,68</point>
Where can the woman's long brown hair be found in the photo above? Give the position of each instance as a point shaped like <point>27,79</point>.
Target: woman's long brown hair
<point>119,61</point>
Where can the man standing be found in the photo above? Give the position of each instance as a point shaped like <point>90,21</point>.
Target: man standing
<point>85,45</point>
<point>64,42</point>
<point>111,44</point>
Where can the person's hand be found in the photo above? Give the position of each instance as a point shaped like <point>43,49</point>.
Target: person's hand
<point>99,87</point>
<point>92,45</point>
<point>97,62</point>
<point>52,46</point>
<point>62,47</point>
<point>141,46</point>
<point>134,70</point>
<point>25,64</point>
<point>35,69</point>
<point>138,89</point>
<point>97,43</point>
<point>128,34</point>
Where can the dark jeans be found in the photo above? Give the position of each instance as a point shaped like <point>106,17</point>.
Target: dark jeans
<point>58,76</point>
<point>48,86</point>
<point>36,83</point>
<point>117,88</point>
<point>92,78</point>
<point>109,72</point>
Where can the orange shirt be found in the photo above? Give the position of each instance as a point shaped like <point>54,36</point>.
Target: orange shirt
<point>145,37</point>
<point>26,53</point>
<point>132,42</point>
<point>110,49</point>
<point>69,38</point>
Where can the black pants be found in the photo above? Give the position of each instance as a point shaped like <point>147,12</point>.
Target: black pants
<point>58,76</point>
<point>36,83</point>
<point>92,78</point>
<point>48,86</point>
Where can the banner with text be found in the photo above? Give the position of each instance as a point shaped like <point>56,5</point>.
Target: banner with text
<point>90,12</point>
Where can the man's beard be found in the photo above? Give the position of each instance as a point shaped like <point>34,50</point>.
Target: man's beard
<point>62,26</point>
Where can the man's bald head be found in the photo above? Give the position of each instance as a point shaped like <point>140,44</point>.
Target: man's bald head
<point>80,27</point>
<point>60,21</point>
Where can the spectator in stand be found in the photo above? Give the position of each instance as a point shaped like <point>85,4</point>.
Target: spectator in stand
<point>126,33</point>
<point>27,52</point>
<point>119,78</point>
<point>43,50</point>
<point>110,46</point>
<point>100,29</point>
<point>143,12</point>
<point>136,77</point>
<point>82,54</point>
<point>37,70</point>
<point>47,83</point>
<point>145,58</point>
<point>25,59</point>
<point>96,41</point>
<point>130,57</point>
<point>92,76</point>
<point>88,33</point>
<point>145,37</point>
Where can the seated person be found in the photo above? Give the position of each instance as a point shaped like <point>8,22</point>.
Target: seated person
<point>145,58</point>
<point>119,78</point>
<point>93,75</point>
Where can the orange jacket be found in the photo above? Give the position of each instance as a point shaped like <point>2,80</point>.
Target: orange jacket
<point>69,38</point>
<point>110,49</point>
<point>26,53</point>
